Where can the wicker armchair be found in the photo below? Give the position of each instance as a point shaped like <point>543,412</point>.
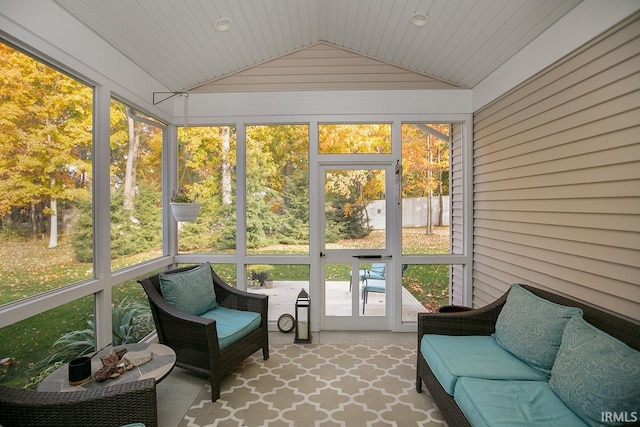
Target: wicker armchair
<point>116,405</point>
<point>195,339</point>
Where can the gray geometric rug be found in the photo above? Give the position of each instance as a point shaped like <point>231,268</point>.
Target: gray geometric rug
<point>322,386</point>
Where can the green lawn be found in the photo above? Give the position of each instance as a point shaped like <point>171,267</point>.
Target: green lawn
<point>29,267</point>
<point>24,273</point>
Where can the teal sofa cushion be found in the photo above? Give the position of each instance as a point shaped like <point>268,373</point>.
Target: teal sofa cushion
<point>531,327</point>
<point>232,325</point>
<point>512,403</point>
<point>452,357</point>
<point>595,374</point>
<point>189,291</point>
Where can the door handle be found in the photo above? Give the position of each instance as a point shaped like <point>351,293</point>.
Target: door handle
<point>371,256</point>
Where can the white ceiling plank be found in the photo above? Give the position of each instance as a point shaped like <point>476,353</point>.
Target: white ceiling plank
<point>443,21</point>
<point>173,40</point>
<point>270,14</point>
<point>510,38</point>
<point>487,52</point>
<point>294,15</point>
<point>229,39</point>
<point>395,27</point>
<point>408,33</point>
<point>284,12</point>
<point>309,21</point>
<point>220,61</point>
<point>259,26</point>
<point>332,19</point>
<point>463,42</point>
<point>143,50</point>
<point>358,29</point>
<point>247,26</point>
<point>323,19</point>
<point>421,36</point>
<point>380,26</point>
<point>369,29</point>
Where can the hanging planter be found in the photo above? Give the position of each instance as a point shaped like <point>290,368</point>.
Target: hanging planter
<point>183,207</point>
<point>184,212</point>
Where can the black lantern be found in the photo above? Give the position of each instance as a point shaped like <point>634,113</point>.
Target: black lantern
<point>303,318</point>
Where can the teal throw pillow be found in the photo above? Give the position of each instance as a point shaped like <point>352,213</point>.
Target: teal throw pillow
<point>531,327</point>
<point>190,291</point>
<point>597,375</point>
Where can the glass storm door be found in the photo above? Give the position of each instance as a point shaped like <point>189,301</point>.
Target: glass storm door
<point>355,255</point>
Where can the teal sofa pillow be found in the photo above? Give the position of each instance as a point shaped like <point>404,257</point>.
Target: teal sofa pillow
<point>190,291</point>
<point>531,327</point>
<point>597,375</point>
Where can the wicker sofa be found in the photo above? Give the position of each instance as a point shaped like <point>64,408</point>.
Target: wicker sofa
<point>463,323</point>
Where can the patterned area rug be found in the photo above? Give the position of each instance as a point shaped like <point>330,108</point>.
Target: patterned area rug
<point>321,386</point>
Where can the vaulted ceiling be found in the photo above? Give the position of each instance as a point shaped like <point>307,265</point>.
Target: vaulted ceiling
<point>462,42</point>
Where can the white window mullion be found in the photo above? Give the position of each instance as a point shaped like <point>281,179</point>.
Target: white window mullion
<point>241,204</point>
<point>102,212</point>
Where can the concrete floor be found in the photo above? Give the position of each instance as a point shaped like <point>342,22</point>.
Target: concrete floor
<point>177,392</point>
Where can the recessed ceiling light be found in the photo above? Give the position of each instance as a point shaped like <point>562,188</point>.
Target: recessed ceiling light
<point>222,24</point>
<point>420,19</point>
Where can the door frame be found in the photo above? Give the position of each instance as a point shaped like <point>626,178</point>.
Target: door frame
<point>356,321</point>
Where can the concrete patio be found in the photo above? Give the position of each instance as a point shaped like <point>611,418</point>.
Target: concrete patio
<point>283,294</point>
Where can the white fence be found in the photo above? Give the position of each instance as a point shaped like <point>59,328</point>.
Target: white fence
<point>414,212</point>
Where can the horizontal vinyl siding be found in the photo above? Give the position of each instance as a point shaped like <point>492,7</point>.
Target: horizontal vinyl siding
<point>323,67</point>
<point>456,222</point>
<point>557,179</point>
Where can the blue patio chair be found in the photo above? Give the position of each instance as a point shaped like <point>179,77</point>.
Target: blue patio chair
<point>377,271</point>
<point>374,280</point>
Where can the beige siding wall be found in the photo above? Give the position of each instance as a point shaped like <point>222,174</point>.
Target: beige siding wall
<point>557,179</point>
<point>456,223</point>
<point>323,67</point>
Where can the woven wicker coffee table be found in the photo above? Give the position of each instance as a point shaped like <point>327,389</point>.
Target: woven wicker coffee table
<point>162,362</point>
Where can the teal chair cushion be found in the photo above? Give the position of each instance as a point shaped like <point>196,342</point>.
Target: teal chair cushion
<point>531,327</point>
<point>375,285</point>
<point>452,357</point>
<point>512,403</point>
<point>189,291</point>
<point>595,373</point>
<point>233,325</point>
<point>377,271</point>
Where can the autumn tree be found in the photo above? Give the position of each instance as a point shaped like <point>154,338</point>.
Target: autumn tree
<point>45,140</point>
<point>354,138</point>
<point>348,192</point>
<point>425,154</point>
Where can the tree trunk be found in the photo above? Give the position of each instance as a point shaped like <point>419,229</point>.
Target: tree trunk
<point>53,218</point>
<point>34,219</point>
<point>440,201</point>
<point>226,167</point>
<point>429,183</point>
<point>132,165</point>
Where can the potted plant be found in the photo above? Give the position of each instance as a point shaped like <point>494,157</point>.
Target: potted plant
<point>260,273</point>
<point>184,207</point>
